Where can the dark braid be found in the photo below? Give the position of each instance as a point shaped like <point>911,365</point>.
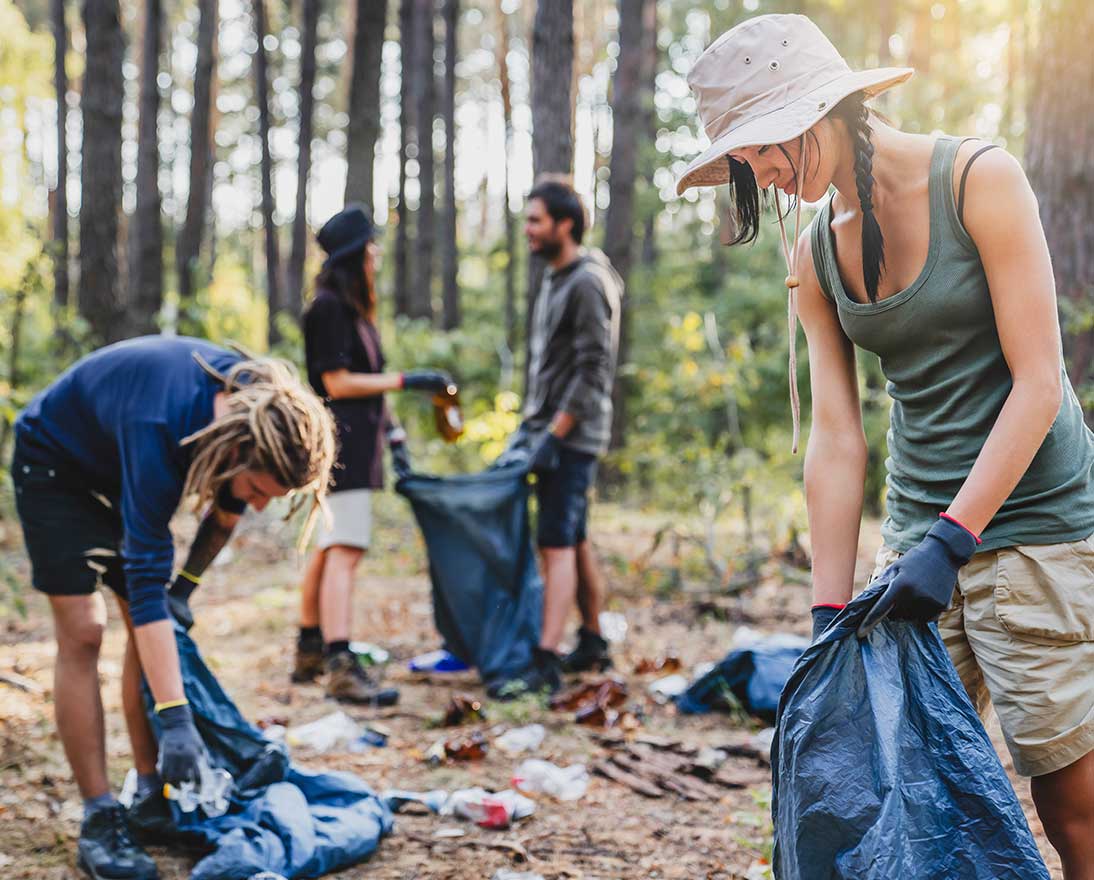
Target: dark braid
<point>853,113</point>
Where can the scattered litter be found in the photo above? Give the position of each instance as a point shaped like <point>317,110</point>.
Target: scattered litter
<point>397,799</point>
<point>488,810</point>
<point>369,654</point>
<point>664,665</point>
<point>665,689</point>
<point>435,754</point>
<point>212,792</point>
<point>759,871</point>
<point>613,626</point>
<point>463,708</point>
<point>506,874</point>
<point>521,739</point>
<point>129,788</point>
<point>272,721</point>
<point>437,661</point>
<point>275,733</point>
<point>542,777</point>
<point>324,733</point>
<point>467,748</point>
<point>749,679</point>
<point>449,831</point>
<point>761,742</point>
<point>267,875</point>
<point>609,692</point>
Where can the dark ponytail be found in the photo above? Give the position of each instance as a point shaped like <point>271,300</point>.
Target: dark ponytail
<point>852,112</point>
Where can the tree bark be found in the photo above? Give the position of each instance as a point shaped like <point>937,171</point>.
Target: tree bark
<point>406,133</point>
<point>425,88</point>
<point>146,231</point>
<point>627,118</point>
<point>294,287</point>
<point>450,252</point>
<point>1059,144</point>
<point>188,246</point>
<point>60,194</point>
<point>552,112</point>
<point>510,221</point>
<point>651,59</point>
<point>269,226</point>
<point>101,182</point>
<point>364,100</point>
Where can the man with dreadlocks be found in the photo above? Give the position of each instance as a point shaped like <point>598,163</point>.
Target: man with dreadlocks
<point>103,458</point>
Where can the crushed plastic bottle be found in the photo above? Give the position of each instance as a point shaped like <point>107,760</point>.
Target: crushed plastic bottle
<point>613,626</point>
<point>397,798</point>
<point>664,689</point>
<point>437,661</point>
<point>324,733</point>
<point>212,793</point>
<point>521,739</point>
<point>486,809</point>
<point>368,654</point>
<point>542,777</point>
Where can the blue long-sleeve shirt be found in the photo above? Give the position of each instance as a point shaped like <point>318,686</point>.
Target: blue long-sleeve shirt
<point>114,422</point>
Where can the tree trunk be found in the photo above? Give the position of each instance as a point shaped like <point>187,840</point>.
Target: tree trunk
<point>294,288</point>
<point>406,133</point>
<point>188,246</point>
<point>269,226</point>
<point>60,194</point>
<point>146,231</point>
<point>1059,143</point>
<point>364,100</point>
<point>510,221</point>
<point>101,182</point>
<point>425,88</point>
<point>627,119</point>
<point>451,288</point>
<point>552,112</point>
<point>650,62</point>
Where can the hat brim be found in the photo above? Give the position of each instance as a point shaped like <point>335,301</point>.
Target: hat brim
<point>354,247</point>
<point>786,123</point>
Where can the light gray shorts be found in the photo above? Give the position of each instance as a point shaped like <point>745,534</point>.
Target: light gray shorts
<point>351,520</point>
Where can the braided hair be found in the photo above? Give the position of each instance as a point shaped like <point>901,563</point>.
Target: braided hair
<point>274,425</point>
<point>855,116</point>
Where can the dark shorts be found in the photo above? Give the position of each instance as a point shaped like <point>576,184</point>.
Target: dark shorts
<point>73,535</point>
<point>563,497</point>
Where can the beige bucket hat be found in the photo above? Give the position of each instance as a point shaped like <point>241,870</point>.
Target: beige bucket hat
<point>766,81</point>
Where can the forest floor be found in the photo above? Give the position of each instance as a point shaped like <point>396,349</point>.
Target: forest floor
<point>246,614</point>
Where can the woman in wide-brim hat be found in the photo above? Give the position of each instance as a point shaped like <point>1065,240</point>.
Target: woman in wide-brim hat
<point>939,266</point>
<point>346,367</point>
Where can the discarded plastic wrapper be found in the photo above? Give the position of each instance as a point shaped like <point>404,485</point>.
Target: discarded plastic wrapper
<point>664,689</point>
<point>613,626</point>
<point>437,661</point>
<point>212,794</point>
<point>521,739</point>
<point>397,798</point>
<point>324,733</point>
<point>542,777</point>
<point>488,810</point>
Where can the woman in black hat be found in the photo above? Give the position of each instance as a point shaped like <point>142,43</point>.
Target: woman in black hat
<point>345,363</point>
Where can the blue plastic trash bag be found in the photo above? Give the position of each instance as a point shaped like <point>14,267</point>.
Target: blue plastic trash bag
<point>282,818</point>
<point>487,593</point>
<point>751,677</point>
<point>882,769</point>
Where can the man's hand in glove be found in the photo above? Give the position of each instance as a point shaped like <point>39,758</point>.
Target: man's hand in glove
<point>435,381</point>
<point>823,615</point>
<point>922,581</point>
<point>545,455</point>
<point>180,610</point>
<point>181,748</point>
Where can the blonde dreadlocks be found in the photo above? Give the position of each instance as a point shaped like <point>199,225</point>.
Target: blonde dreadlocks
<point>274,425</point>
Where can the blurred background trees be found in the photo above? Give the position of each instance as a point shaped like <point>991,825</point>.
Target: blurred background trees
<point>163,168</point>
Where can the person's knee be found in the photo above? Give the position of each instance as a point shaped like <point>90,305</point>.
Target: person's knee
<point>80,639</point>
<point>344,558</point>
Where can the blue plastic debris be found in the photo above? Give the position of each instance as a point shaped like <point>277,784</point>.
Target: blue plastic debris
<point>437,661</point>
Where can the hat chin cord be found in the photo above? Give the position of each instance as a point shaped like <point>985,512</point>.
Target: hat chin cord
<point>790,253</point>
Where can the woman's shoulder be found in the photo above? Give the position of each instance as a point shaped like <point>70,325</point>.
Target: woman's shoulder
<point>325,302</point>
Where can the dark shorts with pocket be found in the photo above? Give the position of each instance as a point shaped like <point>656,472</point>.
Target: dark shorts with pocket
<point>563,498</point>
<point>72,534</point>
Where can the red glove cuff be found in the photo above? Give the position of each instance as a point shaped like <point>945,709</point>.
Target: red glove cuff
<point>829,605</point>
<point>958,522</point>
<point>402,381</point>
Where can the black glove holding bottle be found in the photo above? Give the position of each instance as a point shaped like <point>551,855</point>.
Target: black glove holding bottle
<point>181,749</point>
<point>922,581</point>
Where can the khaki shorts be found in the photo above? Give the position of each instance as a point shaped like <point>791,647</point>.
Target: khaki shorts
<point>351,520</point>
<point>1020,631</point>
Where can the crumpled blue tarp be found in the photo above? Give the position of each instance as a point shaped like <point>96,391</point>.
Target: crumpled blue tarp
<point>753,677</point>
<point>284,819</point>
<point>882,768</point>
<point>487,592</point>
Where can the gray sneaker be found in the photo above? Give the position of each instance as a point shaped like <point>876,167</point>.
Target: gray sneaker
<point>107,852</point>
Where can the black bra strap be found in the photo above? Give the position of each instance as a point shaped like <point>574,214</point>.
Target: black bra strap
<point>964,176</point>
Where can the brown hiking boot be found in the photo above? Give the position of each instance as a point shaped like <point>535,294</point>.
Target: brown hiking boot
<point>309,665</point>
<point>347,682</point>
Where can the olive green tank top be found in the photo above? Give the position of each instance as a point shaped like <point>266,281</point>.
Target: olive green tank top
<point>940,353</point>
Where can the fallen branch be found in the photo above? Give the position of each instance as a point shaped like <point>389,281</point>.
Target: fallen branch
<point>22,682</point>
<point>515,849</point>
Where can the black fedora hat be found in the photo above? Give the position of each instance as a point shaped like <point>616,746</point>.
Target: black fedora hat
<point>346,233</point>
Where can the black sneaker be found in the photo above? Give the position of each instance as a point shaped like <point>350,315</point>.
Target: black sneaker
<point>107,852</point>
<point>590,655</point>
<point>545,674</point>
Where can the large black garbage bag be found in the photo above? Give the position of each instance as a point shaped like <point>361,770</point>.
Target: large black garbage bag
<point>487,592</point>
<point>283,818</point>
<point>882,769</point>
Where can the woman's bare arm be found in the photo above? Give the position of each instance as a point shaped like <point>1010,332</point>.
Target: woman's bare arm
<point>341,384</point>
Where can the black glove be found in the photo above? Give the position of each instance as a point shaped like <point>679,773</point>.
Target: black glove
<point>396,442</point>
<point>545,455</point>
<point>823,615</point>
<point>434,381</point>
<point>181,749</point>
<point>922,581</point>
<point>180,610</point>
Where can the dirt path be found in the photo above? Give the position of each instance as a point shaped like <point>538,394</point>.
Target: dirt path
<point>246,617</point>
